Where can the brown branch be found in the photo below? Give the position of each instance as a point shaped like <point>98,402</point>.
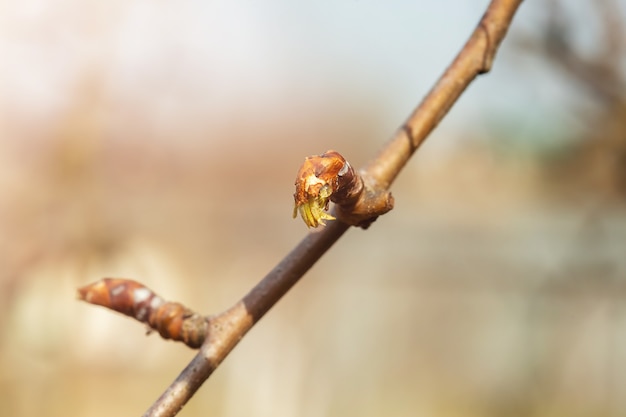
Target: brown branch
<point>475,58</point>
<point>226,329</point>
<point>229,327</point>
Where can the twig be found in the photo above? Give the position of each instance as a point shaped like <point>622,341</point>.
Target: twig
<point>226,329</point>
<point>475,58</point>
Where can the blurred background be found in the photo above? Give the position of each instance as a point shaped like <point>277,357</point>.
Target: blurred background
<point>159,141</point>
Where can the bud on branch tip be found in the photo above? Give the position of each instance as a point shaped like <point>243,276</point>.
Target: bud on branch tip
<point>131,298</point>
<point>329,177</point>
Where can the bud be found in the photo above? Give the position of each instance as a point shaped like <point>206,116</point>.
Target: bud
<point>172,320</point>
<point>321,179</point>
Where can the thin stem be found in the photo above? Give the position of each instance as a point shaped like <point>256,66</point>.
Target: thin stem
<point>227,329</point>
<point>475,58</point>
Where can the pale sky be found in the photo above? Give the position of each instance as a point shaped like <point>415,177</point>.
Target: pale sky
<point>215,51</point>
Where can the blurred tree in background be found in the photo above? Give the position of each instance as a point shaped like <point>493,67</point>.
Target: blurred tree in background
<point>593,162</point>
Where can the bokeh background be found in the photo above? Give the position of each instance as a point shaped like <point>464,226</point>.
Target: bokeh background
<point>159,141</point>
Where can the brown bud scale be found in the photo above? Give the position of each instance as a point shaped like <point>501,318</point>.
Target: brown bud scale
<point>321,179</point>
<point>329,177</point>
<point>131,298</point>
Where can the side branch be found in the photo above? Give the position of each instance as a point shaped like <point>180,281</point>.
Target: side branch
<point>172,320</point>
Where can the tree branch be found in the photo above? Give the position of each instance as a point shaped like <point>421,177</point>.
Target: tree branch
<point>226,329</point>
<point>229,327</point>
<point>475,58</point>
